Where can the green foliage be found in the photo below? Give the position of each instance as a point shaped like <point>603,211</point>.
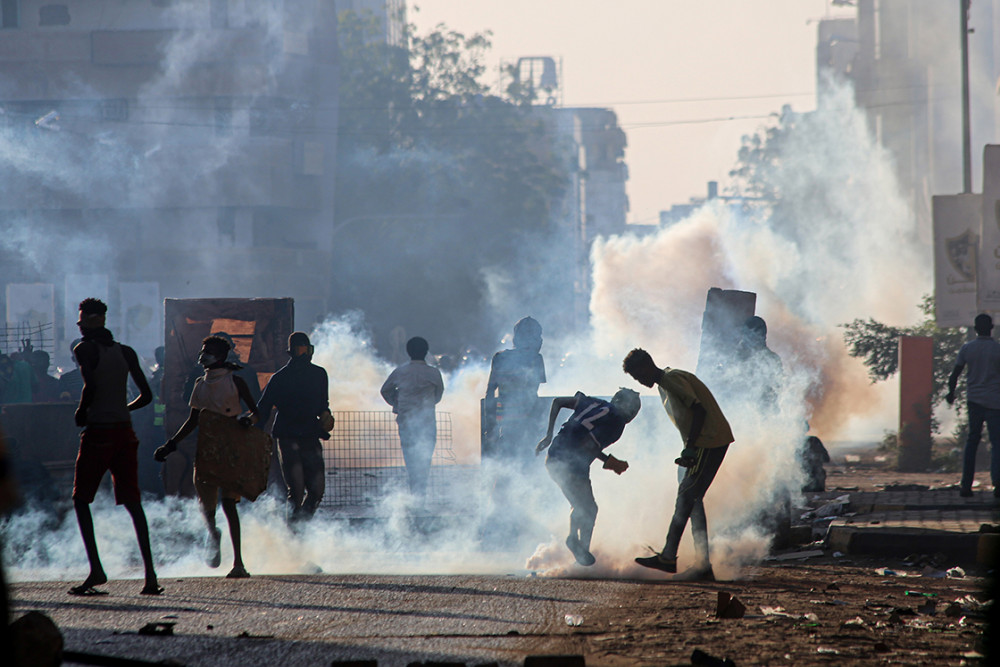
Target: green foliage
<point>430,163</point>
<point>877,345</point>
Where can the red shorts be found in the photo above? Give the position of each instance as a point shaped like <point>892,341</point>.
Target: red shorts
<point>103,449</point>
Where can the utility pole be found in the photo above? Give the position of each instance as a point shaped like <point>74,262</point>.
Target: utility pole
<point>966,136</point>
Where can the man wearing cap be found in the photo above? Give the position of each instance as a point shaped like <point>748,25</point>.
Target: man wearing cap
<point>982,356</point>
<point>413,390</point>
<point>300,392</point>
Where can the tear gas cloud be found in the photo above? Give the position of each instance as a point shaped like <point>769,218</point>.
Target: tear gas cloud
<point>649,291</point>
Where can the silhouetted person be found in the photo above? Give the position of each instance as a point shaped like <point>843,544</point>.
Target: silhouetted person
<point>178,468</point>
<point>512,393</point>
<point>812,457</point>
<point>215,399</point>
<point>300,391</point>
<point>17,380</point>
<point>71,382</point>
<point>108,441</point>
<point>46,386</point>
<point>413,390</point>
<point>706,435</point>
<point>760,367</point>
<point>982,383</point>
<point>594,425</point>
<point>249,375</point>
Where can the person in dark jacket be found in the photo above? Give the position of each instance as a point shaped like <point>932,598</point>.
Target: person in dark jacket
<point>300,392</point>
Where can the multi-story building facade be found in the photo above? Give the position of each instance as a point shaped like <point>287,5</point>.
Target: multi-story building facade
<point>903,59</point>
<point>165,148</point>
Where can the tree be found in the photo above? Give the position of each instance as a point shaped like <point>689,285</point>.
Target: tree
<point>433,168</point>
<point>877,345</point>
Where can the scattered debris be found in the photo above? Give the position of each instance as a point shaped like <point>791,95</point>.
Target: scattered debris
<point>836,507</point>
<point>701,659</point>
<point>573,619</point>
<point>797,555</point>
<point>857,622</point>
<point>729,606</point>
<point>955,573</point>
<point>825,650</point>
<point>781,613</point>
<point>919,594</point>
<point>157,629</point>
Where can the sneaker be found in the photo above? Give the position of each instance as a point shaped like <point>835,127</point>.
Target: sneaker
<point>582,556</point>
<point>658,562</point>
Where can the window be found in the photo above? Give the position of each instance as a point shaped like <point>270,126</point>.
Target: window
<point>8,13</point>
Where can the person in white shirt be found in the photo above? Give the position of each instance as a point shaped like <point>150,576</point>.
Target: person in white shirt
<point>413,390</point>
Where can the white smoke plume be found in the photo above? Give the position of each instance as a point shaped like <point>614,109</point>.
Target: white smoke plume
<point>853,257</point>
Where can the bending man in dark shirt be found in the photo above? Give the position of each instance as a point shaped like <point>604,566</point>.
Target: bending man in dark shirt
<point>594,425</point>
<point>300,392</point>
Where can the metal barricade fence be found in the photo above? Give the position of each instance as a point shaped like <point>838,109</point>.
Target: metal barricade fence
<point>364,461</point>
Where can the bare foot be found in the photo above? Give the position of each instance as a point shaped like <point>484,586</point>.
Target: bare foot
<point>152,588</point>
<point>87,587</point>
<point>238,572</point>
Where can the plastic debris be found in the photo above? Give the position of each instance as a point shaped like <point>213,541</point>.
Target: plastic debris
<point>857,621</point>
<point>886,572</point>
<point>781,613</point>
<point>573,619</point>
<point>919,594</point>
<point>834,508</point>
<point>955,573</point>
<point>825,650</point>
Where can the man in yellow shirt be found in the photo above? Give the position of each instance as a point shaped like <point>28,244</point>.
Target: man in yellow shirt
<point>706,435</point>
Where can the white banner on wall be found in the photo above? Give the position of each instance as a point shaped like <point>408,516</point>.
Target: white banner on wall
<point>141,317</point>
<point>989,237</point>
<point>957,221</point>
<point>31,312</point>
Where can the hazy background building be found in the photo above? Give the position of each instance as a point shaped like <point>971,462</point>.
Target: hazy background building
<point>165,149</point>
<point>903,58</point>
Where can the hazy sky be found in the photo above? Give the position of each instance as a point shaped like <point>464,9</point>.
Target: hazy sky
<point>660,64</point>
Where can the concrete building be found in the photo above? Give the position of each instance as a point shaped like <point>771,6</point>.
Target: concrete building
<point>903,58</point>
<point>596,203</point>
<point>390,13</point>
<point>165,148</point>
